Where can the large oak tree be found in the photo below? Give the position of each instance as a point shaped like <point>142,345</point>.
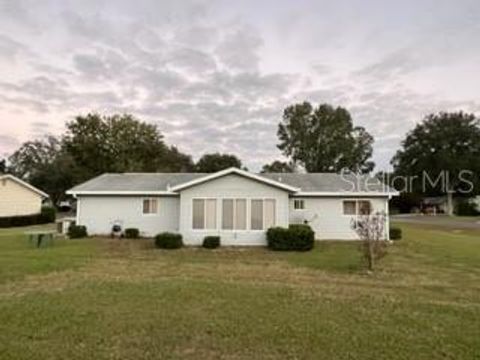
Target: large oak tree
<point>324,139</point>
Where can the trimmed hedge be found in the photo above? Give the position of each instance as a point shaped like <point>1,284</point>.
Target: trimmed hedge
<point>132,233</point>
<point>395,233</point>
<point>168,240</point>
<point>211,242</point>
<point>46,216</point>
<point>77,231</point>
<point>295,238</point>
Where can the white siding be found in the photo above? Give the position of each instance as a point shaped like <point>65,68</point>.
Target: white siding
<point>16,199</point>
<point>99,213</point>
<point>231,187</point>
<point>325,216</point>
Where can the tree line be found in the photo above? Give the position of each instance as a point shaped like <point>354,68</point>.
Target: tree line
<point>312,139</point>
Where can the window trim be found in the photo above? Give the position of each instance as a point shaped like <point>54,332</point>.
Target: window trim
<point>263,213</point>
<point>248,210</point>
<point>303,205</point>
<point>216,228</point>
<point>143,207</point>
<point>357,212</point>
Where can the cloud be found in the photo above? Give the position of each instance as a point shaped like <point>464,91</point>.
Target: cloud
<point>216,77</point>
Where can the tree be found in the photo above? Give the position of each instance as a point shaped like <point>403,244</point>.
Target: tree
<point>371,230</point>
<point>3,166</point>
<point>93,145</point>
<point>440,155</point>
<point>210,163</point>
<point>120,143</point>
<point>278,167</point>
<point>324,139</point>
<point>45,165</point>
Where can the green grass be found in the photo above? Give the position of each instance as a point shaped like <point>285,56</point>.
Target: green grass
<point>110,299</point>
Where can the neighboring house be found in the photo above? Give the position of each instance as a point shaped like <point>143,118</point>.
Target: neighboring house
<point>235,204</point>
<point>19,198</point>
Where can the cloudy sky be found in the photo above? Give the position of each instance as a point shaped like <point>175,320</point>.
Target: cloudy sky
<point>215,75</point>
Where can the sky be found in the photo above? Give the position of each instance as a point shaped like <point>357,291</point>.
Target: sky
<point>216,75</point>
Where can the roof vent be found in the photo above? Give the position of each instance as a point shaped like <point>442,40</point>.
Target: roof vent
<point>280,179</point>
<point>168,186</point>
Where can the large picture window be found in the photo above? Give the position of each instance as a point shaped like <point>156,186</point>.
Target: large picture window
<point>204,214</point>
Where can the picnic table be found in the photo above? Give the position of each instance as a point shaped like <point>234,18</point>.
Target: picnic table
<point>40,237</point>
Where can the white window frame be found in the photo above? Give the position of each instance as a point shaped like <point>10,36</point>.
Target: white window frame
<point>302,201</point>
<point>150,213</point>
<point>263,213</point>
<point>248,210</point>
<point>247,213</point>
<point>205,214</point>
<point>357,208</point>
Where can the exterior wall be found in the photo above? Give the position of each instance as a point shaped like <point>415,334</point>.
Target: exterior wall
<point>230,186</point>
<point>16,199</point>
<point>100,213</point>
<point>325,216</point>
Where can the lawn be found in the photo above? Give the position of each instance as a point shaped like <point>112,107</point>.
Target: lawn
<point>110,299</point>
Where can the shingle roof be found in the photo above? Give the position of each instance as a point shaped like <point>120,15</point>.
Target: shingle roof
<point>162,182</point>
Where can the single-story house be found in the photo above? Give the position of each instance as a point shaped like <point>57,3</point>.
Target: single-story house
<point>18,197</point>
<point>235,204</point>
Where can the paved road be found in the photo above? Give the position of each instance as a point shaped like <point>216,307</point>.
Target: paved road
<point>440,220</point>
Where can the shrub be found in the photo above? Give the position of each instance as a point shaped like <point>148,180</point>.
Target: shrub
<point>466,208</point>
<point>168,240</point>
<point>211,242</point>
<point>48,214</point>
<point>303,237</point>
<point>295,238</point>
<point>77,231</point>
<point>395,233</point>
<point>132,233</point>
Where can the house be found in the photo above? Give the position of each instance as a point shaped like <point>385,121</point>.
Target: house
<point>235,204</point>
<point>19,198</point>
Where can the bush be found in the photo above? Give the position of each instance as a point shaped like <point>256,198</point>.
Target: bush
<point>466,208</point>
<point>211,242</point>
<point>132,233</point>
<point>395,233</point>
<point>46,216</point>
<point>77,231</point>
<point>295,238</point>
<point>168,240</point>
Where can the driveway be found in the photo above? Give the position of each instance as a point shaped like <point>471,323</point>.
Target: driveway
<point>440,220</point>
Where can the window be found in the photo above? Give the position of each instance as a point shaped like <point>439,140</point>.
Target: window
<point>150,206</point>
<point>364,207</point>
<point>204,214</point>
<point>210,214</point>
<point>269,213</point>
<point>349,207</point>
<point>234,214</point>
<point>299,204</point>
<point>240,214</point>
<point>198,218</point>
<point>227,214</point>
<point>256,215</point>
<point>357,207</point>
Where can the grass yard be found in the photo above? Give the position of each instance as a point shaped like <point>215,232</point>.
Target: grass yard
<point>111,299</point>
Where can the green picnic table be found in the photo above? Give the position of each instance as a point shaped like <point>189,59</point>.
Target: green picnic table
<point>40,237</point>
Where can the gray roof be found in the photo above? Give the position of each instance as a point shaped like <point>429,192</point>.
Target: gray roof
<point>311,182</point>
